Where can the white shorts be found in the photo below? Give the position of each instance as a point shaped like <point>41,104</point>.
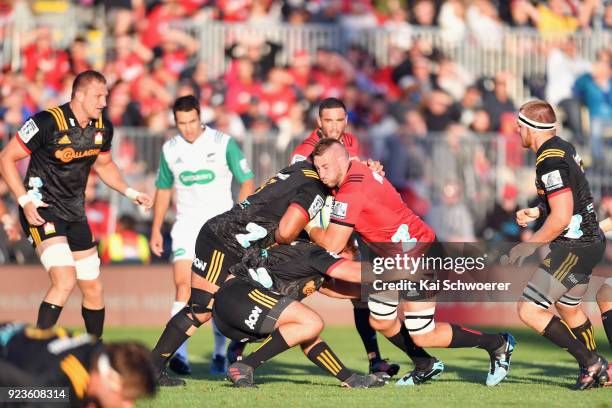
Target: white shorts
<point>184,234</point>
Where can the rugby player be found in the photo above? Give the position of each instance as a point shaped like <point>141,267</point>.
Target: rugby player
<point>96,374</point>
<point>367,203</point>
<point>263,301</point>
<point>576,243</point>
<point>276,213</point>
<point>604,294</point>
<point>332,122</point>
<point>63,143</point>
<point>199,163</point>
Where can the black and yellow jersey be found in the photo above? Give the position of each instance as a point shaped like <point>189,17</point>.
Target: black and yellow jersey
<point>53,357</point>
<point>61,156</point>
<point>559,169</point>
<point>296,270</point>
<point>253,222</point>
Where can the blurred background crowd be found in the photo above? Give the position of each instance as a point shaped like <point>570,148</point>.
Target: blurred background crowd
<point>431,88</point>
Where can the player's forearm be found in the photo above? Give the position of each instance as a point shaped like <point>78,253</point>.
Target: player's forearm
<point>552,228</point>
<point>160,207</point>
<point>246,189</point>
<point>321,238</point>
<point>111,176</point>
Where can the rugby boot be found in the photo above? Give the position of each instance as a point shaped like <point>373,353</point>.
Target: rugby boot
<point>363,381</point>
<point>380,365</point>
<point>594,375</point>
<point>241,375</point>
<point>417,377</point>
<point>500,360</point>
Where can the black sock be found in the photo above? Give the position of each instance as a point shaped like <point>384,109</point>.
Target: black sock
<point>47,315</point>
<point>464,337</point>
<point>585,334</point>
<point>325,358</point>
<point>271,346</point>
<point>171,339</point>
<point>402,340</point>
<point>559,333</point>
<point>366,332</point>
<point>94,321</point>
<point>606,319</point>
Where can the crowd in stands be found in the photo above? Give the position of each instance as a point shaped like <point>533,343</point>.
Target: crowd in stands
<point>394,108</point>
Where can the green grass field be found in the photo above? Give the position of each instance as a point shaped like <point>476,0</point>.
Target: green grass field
<point>540,376</point>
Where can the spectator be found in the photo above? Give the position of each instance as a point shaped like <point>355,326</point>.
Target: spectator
<point>452,22</point>
<point>595,91</point>
<point>450,217</point>
<point>125,246</point>
<point>554,17</point>
<point>563,67</point>
<point>484,24</point>
<point>424,13</point>
<point>41,58</point>
<point>498,101</point>
<point>77,56</point>
<point>500,224</point>
<point>440,112</point>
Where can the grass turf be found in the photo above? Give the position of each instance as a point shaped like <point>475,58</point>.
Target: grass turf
<point>540,376</point>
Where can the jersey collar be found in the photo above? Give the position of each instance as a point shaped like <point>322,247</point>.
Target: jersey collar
<point>546,144</point>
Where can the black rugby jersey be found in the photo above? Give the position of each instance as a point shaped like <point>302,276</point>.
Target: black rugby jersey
<point>53,357</point>
<point>559,169</point>
<point>61,156</point>
<point>253,222</point>
<point>296,270</point>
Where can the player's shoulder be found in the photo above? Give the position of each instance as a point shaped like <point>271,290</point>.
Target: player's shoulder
<point>218,137</point>
<point>553,156</point>
<point>357,174</point>
<point>350,140</point>
<point>555,150</point>
<point>303,168</point>
<point>172,144</point>
<point>47,119</point>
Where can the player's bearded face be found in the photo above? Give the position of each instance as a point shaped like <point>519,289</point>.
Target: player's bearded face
<point>189,125</point>
<point>333,122</point>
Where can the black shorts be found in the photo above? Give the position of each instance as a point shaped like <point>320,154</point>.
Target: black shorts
<point>573,266</point>
<point>245,312</point>
<point>77,233</point>
<point>212,259</point>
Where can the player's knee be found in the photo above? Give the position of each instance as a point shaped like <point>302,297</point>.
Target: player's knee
<point>604,294</point>
<point>380,325</point>
<point>420,323</point>
<point>313,325</point>
<point>382,310</point>
<point>183,321</point>
<point>199,305</point>
<point>65,284</point>
<point>88,268</point>
<point>92,290</point>
<point>527,311</point>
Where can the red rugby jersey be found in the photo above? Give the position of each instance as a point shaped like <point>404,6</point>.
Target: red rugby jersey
<point>304,150</point>
<point>369,203</point>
